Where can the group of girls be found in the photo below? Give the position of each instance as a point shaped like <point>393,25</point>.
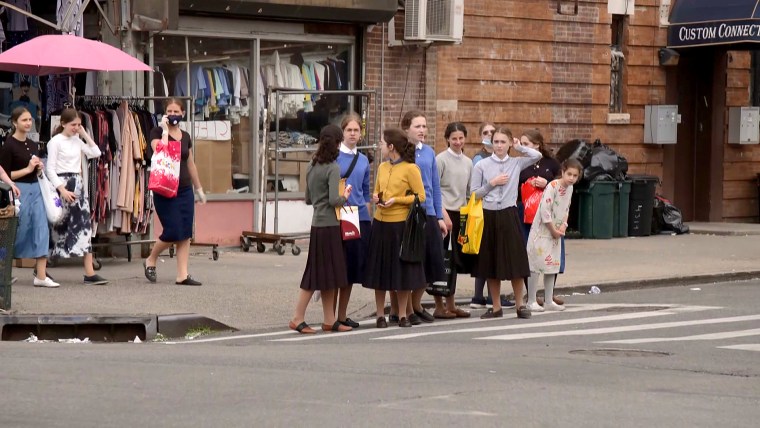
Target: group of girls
<point>21,166</point>
<point>442,184</point>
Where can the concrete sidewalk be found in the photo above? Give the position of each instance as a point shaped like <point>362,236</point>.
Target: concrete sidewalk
<point>253,291</point>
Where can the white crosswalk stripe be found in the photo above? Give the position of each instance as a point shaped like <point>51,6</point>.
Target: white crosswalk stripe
<point>708,336</point>
<point>746,347</point>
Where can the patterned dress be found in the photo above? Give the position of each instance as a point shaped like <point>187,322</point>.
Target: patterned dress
<point>544,252</point>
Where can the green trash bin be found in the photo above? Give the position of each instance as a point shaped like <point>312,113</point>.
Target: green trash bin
<point>597,210</point>
<point>7,238</point>
<point>622,201</point>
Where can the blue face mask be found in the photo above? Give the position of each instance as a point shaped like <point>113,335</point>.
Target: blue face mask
<point>174,119</point>
<point>487,142</point>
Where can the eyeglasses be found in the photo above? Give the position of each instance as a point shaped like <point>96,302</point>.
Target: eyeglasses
<point>488,131</point>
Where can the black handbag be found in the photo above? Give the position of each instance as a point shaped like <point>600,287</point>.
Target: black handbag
<point>445,288</point>
<point>413,239</point>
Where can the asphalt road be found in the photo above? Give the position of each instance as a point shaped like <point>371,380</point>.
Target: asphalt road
<point>670,357</point>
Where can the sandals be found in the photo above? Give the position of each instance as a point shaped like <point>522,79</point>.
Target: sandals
<point>302,328</point>
<point>445,315</point>
<point>337,327</point>
<point>461,313</point>
<point>150,272</point>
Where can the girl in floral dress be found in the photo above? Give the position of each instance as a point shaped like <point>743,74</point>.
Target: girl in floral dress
<point>544,249</point>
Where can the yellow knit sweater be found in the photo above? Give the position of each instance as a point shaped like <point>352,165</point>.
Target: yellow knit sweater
<point>394,181</point>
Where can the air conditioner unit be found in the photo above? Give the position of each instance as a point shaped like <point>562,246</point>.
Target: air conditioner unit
<point>620,7</point>
<point>434,20</point>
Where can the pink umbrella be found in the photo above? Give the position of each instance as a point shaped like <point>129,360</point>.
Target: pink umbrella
<point>66,54</point>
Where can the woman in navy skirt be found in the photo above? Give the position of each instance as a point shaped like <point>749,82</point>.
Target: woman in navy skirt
<point>354,168</point>
<point>20,157</point>
<point>398,180</point>
<point>502,253</point>
<point>325,266</point>
<point>175,214</point>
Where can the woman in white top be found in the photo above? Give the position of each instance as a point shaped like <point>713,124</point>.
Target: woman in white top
<point>72,236</point>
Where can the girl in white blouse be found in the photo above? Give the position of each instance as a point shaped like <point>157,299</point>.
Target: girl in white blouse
<point>72,236</point>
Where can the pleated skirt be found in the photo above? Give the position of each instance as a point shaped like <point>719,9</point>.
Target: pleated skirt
<point>356,254</point>
<point>463,263</point>
<point>384,269</point>
<point>502,250</point>
<point>326,262</point>
<point>33,233</point>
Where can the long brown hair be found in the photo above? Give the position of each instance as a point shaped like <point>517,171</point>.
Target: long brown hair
<point>329,139</point>
<point>536,138</point>
<point>67,115</point>
<point>400,141</point>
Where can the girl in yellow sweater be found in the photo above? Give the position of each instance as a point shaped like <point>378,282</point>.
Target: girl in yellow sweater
<point>398,180</point>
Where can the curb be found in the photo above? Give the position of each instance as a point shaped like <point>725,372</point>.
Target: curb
<point>177,325</point>
<point>98,328</point>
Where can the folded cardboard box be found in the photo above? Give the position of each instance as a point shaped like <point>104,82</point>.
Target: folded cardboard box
<point>214,162</point>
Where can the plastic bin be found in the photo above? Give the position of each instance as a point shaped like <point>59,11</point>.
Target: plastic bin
<point>596,210</point>
<point>7,238</point>
<point>641,205</point>
<point>621,208</point>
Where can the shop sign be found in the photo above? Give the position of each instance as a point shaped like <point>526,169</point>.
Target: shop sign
<point>210,130</point>
<point>714,33</point>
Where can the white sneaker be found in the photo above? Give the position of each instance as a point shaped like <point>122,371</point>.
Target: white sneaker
<point>47,283</point>
<point>535,307</point>
<point>551,306</point>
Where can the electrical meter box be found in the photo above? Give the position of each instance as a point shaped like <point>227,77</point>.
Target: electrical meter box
<point>744,125</point>
<point>660,124</point>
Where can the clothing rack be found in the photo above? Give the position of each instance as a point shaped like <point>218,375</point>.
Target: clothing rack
<point>279,240</point>
<point>128,242</point>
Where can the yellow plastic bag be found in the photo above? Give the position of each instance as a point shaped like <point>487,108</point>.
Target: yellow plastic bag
<point>471,226</point>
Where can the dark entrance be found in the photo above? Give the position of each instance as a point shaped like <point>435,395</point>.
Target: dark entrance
<point>694,165</point>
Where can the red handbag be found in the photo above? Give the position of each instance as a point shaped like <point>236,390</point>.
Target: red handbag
<point>164,169</point>
<point>531,199</point>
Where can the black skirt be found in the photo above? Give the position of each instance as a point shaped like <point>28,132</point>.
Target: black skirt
<point>463,263</point>
<point>326,263</point>
<point>176,214</point>
<point>356,253</point>
<point>384,269</point>
<point>434,269</point>
<point>502,253</point>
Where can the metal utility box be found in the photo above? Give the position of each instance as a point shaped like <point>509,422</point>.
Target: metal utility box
<point>660,124</point>
<point>744,125</point>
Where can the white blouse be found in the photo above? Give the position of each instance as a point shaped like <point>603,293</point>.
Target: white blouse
<point>65,156</point>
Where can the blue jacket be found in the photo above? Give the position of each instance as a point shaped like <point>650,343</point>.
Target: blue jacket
<point>425,159</point>
<point>359,180</point>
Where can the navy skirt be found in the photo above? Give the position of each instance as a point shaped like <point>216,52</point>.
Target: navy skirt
<point>33,233</point>
<point>434,269</point>
<point>176,214</point>
<point>356,254</point>
<point>385,270</point>
<point>502,250</point>
<point>325,268</point>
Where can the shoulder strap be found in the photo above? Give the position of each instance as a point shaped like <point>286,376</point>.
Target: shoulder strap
<point>351,167</point>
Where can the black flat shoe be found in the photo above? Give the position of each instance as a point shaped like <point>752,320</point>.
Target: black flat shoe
<point>381,323</point>
<point>491,314</point>
<point>425,316</point>
<point>150,272</point>
<point>188,281</point>
<point>351,323</point>
<point>413,319</point>
<point>404,322</point>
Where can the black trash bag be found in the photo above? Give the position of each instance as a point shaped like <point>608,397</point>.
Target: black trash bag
<point>606,164</point>
<point>575,149</point>
<point>5,195</point>
<point>413,239</point>
<point>667,217</point>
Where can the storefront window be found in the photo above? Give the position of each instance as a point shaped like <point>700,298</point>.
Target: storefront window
<point>229,97</point>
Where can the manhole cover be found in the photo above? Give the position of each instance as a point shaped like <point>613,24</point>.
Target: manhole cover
<point>608,352</point>
<point>623,309</point>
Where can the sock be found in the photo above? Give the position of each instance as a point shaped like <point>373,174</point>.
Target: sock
<point>549,287</point>
<point>532,286</point>
<point>479,284</point>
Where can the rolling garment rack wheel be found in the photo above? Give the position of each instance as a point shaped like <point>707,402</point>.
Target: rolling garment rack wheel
<point>171,252</point>
<point>215,254</point>
<point>245,244</point>
<point>295,249</point>
<point>279,248</point>
<point>96,264</point>
<point>260,247</point>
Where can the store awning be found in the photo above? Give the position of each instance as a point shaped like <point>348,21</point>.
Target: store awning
<point>713,22</point>
<point>356,11</point>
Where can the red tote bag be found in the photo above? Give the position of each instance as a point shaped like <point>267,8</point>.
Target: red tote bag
<point>164,169</point>
<point>531,198</point>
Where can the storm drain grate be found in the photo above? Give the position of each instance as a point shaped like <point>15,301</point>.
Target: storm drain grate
<point>612,352</point>
<point>632,309</point>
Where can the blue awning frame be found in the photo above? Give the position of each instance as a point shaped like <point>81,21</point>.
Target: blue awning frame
<point>696,23</point>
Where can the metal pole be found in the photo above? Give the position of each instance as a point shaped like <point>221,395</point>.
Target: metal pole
<point>276,161</point>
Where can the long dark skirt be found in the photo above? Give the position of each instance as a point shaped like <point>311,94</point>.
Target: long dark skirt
<point>502,250</point>
<point>176,214</point>
<point>434,269</point>
<point>356,254</point>
<point>325,266</point>
<point>463,263</point>
<point>73,235</point>
<point>384,269</point>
